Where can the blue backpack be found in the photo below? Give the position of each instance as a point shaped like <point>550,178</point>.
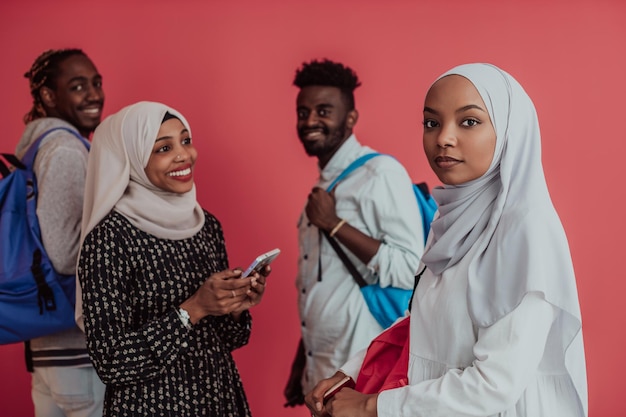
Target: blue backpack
<point>34,299</point>
<point>388,303</point>
<point>425,202</point>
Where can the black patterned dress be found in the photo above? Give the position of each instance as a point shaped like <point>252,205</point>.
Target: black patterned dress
<point>151,364</point>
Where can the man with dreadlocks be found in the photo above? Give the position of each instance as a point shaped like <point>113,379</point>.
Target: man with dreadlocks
<point>67,92</point>
<point>372,213</point>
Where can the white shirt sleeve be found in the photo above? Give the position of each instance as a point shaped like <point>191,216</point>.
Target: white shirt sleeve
<point>390,208</point>
<point>507,356</point>
<point>353,366</point>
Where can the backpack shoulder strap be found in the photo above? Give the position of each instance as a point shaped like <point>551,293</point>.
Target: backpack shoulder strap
<point>13,160</point>
<point>4,169</point>
<point>29,156</point>
<point>427,206</point>
<point>423,187</point>
<point>354,165</point>
<point>346,261</point>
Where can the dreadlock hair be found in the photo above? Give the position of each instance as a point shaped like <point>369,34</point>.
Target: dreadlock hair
<point>331,74</point>
<point>43,73</point>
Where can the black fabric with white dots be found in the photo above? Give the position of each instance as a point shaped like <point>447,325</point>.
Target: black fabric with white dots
<point>152,365</point>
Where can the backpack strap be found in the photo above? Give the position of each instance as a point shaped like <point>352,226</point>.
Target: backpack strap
<point>342,255</point>
<point>13,161</point>
<point>354,165</point>
<point>29,156</point>
<point>346,261</point>
<point>415,282</point>
<point>28,357</point>
<point>426,204</point>
<point>4,169</point>
<point>423,187</point>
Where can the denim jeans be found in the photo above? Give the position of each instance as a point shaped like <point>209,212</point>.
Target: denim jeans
<point>67,392</point>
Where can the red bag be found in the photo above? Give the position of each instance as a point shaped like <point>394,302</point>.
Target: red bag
<point>386,362</point>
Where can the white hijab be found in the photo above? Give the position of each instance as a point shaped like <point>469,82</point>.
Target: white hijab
<point>116,180</point>
<point>122,145</point>
<point>508,213</point>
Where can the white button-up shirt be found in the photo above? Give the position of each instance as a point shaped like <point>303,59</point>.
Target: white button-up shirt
<point>378,200</point>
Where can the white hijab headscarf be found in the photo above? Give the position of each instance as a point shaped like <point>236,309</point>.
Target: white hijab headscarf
<point>116,180</point>
<point>508,213</point>
<point>122,145</point>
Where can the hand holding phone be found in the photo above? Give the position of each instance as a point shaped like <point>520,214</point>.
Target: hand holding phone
<point>344,382</point>
<point>260,262</point>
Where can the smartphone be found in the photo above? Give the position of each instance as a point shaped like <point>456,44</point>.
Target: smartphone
<point>344,382</point>
<point>260,261</point>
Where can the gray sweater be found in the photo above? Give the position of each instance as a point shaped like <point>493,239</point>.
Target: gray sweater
<point>60,168</point>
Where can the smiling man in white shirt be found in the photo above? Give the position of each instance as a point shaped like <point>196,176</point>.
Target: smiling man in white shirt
<point>373,215</point>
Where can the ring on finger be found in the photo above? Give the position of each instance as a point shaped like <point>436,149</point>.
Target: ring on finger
<point>233,293</point>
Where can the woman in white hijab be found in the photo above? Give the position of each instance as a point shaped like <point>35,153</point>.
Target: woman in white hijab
<point>162,310</point>
<point>495,327</point>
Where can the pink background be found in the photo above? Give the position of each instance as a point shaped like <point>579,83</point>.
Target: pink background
<point>228,67</point>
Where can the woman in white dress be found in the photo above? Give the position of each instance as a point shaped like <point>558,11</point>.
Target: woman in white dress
<point>495,323</point>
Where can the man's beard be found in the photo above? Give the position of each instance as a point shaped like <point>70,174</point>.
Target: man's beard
<point>329,144</point>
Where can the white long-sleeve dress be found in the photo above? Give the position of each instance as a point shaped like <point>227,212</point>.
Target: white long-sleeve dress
<point>513,368</point>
